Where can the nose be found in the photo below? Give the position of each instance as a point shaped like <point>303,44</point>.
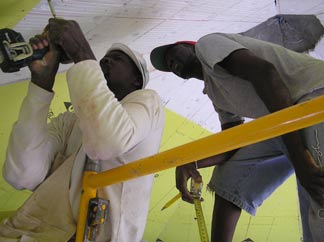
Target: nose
<point>105,64</point>
<point>105,60</point>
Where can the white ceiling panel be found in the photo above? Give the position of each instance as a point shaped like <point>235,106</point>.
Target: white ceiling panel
<point>145,24</point>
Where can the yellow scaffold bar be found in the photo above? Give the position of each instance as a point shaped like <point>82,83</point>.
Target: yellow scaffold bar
<point>272,125</point>
<point>269,126</point>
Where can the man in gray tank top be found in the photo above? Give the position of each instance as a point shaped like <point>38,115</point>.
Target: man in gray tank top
<point>245,77</point>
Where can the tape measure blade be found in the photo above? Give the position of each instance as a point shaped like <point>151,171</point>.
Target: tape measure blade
<point>201,221</point>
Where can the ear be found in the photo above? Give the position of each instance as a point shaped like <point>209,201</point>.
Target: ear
<point>138,83</point>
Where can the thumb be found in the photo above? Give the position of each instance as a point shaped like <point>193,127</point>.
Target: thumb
<point>196,176</point>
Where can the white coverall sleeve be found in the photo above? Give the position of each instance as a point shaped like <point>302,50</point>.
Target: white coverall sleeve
<point>109,127</point>
<point>33,143</point>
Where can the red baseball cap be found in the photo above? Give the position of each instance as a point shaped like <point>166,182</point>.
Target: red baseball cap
<point>157,55</point>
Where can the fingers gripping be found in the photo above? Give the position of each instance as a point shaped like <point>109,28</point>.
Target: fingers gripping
<point>183,174</point>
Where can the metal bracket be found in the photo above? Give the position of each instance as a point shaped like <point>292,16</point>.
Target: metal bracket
<point>97,215</point>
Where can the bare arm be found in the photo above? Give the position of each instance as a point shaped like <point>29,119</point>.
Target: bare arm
<point>273,92</point>
<point>187,171</point>
<point>43,71</point>
<point>68,36</point>
<point>220,158</point>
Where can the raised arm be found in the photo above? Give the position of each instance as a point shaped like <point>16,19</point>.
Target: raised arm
<point>33,144</point>
<point>109,127</point>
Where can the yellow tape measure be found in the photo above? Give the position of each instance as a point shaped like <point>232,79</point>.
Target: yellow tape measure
<point>201,221</point>
<point>195,190</point>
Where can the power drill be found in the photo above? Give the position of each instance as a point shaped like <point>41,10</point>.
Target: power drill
<point>15,53</point>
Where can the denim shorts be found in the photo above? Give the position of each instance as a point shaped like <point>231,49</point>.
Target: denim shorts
<point>254,172</point>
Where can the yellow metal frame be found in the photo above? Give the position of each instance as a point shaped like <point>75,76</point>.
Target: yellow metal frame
<point>269,126</point>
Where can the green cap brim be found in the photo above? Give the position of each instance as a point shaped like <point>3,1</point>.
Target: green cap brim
<point>157,57</point>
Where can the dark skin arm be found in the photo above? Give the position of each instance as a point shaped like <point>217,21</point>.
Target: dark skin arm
<point>43,71</point>
<point>68,35</point>
<point>61,36</point>
<point>273,92</point>
<point>187,171</point>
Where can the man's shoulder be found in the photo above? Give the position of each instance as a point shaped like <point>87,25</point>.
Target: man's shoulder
<point>145,102</point>
<point>218,36</point>
<point>143,96</point>
<point>213,48</point>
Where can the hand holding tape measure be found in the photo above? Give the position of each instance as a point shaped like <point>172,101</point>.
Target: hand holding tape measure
<point>195,192</point>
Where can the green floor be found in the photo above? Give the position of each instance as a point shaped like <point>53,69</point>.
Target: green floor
<point>277,220</point>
